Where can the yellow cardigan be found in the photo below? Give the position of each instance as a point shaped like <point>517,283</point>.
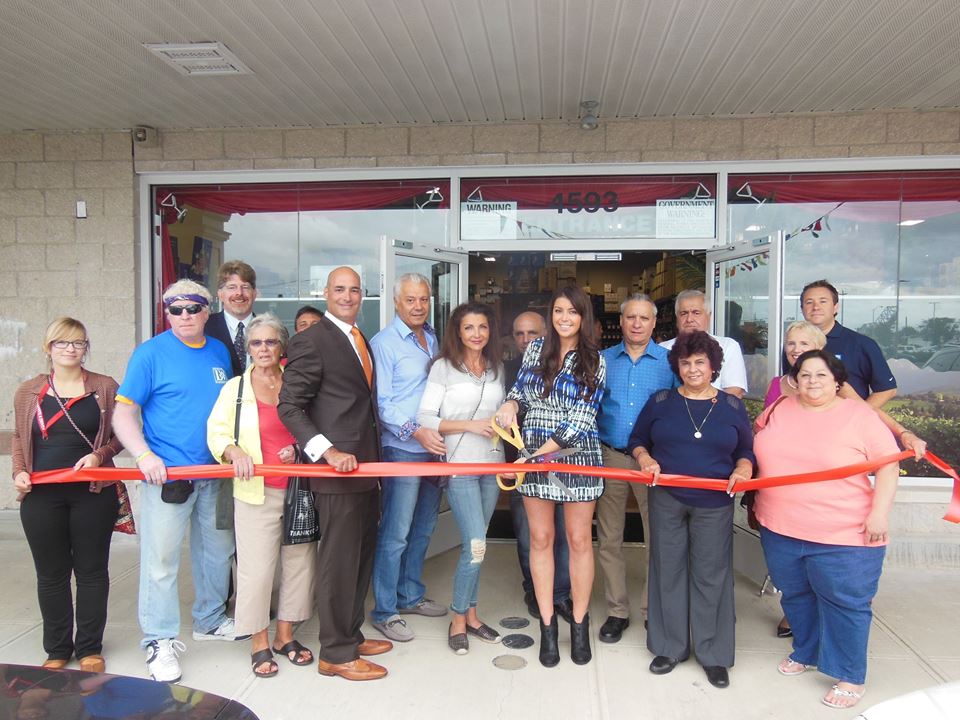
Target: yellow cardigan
<point>220,434</point>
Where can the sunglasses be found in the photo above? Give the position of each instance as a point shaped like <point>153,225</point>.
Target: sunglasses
<point>177,310</point>
<point>271,343</point>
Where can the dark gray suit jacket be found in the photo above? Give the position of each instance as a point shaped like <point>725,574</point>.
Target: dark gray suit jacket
<point>325,391</point>
<point>216,327</point>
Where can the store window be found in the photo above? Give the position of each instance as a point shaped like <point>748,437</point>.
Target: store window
<point>887,241</point>
<point>656,207</point>
<point>293,234</point>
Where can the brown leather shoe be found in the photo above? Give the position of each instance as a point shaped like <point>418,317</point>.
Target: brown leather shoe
<point>93,663</point>
<point>358,669</point>
<point>55,663</point>
<point>374,647</point>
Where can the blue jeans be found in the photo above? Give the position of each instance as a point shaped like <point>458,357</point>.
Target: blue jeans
<point>561,553</point>
<point>408,516</point>
<point>162,527</point>
<point>827,594</point>
<point>472,500</point>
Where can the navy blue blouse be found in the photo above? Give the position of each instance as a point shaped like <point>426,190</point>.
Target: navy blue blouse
<point>664,428</point>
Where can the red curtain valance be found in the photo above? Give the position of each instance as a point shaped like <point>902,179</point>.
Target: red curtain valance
<point>930,186</point>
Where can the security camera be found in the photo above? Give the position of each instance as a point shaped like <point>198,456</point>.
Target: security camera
<point>145,136</point>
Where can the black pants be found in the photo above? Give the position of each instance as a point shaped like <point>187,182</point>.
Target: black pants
<point>68,529</point>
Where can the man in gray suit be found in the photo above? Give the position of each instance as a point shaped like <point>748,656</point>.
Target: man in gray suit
<point>328,402</point>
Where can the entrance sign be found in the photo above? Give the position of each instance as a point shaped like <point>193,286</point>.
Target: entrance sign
<point>690,218</point>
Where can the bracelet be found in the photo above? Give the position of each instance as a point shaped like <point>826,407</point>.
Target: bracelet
<point>142,455</point>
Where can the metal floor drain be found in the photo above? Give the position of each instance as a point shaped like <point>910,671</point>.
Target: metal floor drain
<point>509,662</point>
<point>517,641</point>
<point>514,623</point>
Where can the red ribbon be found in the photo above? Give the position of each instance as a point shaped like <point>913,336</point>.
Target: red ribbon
<point>404,469</point>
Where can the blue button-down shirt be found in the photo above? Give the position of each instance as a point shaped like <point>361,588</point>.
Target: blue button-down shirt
<point>629,385</point>
<point>402,366</point>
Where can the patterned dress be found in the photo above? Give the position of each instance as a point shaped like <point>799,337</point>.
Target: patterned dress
<point>564,416</point>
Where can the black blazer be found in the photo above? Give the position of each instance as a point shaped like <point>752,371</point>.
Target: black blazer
<point>216,327</point>
<point>325,391</point>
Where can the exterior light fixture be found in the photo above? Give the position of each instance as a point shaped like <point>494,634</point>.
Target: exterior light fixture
<point>589,120</point>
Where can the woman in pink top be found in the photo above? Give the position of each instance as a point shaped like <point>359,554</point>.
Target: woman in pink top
<point>824,542</point>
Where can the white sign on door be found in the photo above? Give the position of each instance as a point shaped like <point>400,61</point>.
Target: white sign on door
<point>488,220</point>
<point>693,218</point>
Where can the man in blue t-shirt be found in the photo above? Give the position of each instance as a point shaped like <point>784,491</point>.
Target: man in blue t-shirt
<point>173,380</point>
<point>636,368</point>
<point>866,367</point>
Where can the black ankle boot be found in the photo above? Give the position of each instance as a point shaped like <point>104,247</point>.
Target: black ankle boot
<point>580,641</point>
<point>549,652</point>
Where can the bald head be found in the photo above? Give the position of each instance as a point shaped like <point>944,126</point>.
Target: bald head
<point>527,327</point>
<point>344,294</point>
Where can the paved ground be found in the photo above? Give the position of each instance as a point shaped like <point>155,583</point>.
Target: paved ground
<point>913,645</point>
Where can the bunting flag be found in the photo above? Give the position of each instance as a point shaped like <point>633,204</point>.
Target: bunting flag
<point>816,227</point>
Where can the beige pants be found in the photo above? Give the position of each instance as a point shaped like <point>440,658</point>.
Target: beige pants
<point>259,530</point>
<point>611,518</point>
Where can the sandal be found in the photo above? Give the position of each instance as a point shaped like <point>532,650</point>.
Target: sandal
<point>259,658</point>
<point>790,667</point>
<point>783,629</point>
<point>294,653</point>
<point>838,698</point>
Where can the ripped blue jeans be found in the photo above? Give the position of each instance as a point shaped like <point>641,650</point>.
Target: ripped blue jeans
<point>472,500</point>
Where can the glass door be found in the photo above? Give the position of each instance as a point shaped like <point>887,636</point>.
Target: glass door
<point>447,272</point>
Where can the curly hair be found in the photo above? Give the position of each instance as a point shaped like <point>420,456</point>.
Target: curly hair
<point>588,345</point>
<point>835,367</point>
<point>697,342</point>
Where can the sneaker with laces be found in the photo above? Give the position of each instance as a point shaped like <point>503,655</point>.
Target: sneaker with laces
<point>395,628</point>
<point>426,607</point>
<point>162,661</point>
<point>224,631</point>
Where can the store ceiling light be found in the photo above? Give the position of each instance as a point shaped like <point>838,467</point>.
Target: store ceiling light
<point>196,59</point>
<point>909,223</point>
<point>588,120</point>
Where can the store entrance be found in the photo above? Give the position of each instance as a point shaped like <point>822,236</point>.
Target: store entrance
<point>515,282</point>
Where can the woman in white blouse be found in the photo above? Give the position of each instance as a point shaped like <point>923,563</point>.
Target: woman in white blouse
<point>463,392</point>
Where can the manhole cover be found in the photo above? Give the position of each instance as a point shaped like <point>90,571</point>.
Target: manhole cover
<point>514,622</point>
<point>517,641</point>
<point>509,662</point>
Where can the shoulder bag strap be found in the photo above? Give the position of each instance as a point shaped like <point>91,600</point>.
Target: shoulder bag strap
<point>236,415</point>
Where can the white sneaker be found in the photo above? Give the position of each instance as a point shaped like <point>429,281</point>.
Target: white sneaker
<point>224,631</point>
<point>162,662</point>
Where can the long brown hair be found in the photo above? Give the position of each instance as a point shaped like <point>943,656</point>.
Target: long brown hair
<point>588,344</point>
<point>452,349</point>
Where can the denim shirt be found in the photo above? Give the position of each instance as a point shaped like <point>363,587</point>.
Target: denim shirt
<point>629,385</point>
<point>402,367</point>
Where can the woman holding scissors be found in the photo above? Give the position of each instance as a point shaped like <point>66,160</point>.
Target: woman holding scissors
<point>560,386</point>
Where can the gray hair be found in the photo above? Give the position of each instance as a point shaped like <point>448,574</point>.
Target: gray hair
<point>408,278</point>
<point>638,297</point>
<point>269,320</point>
<point>187,287</point>
<point>688,294</point>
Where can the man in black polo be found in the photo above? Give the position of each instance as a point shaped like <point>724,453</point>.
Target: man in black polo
<point>868,371</point>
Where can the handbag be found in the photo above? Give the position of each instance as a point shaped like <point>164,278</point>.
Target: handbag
<point>124,522</point>
<point>300,522</point>
<point>224,518</point>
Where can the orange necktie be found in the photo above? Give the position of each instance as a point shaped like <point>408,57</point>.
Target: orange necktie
<point>364,355</point>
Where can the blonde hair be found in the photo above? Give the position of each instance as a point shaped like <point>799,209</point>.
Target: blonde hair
<point>63,328</point>
<point>812,331</point>
<point>187,287</point>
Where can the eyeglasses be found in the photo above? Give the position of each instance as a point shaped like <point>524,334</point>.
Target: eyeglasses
<point>75,344</point>
<point>271,343</point>
<point>193,309</point>
<point>237,288</point>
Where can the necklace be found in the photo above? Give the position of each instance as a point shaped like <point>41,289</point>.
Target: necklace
<point>696,428</point>
<point>265,380</point>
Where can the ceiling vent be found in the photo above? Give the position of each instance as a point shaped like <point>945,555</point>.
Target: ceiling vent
<point>198,59</point>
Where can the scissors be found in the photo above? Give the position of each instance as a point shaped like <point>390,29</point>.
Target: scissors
<point>512,436</point>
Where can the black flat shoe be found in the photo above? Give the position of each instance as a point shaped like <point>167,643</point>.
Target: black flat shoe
<point>549,650</point>
<point>564,609</point>
<point>580,641</point>
<point>717,675</point>
<point>612,629</point>
<point>662,664</point>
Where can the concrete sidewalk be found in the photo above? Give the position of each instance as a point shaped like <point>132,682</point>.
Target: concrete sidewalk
<point>913,645</point>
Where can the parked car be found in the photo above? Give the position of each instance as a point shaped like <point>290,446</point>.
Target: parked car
<point>944,359</point>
